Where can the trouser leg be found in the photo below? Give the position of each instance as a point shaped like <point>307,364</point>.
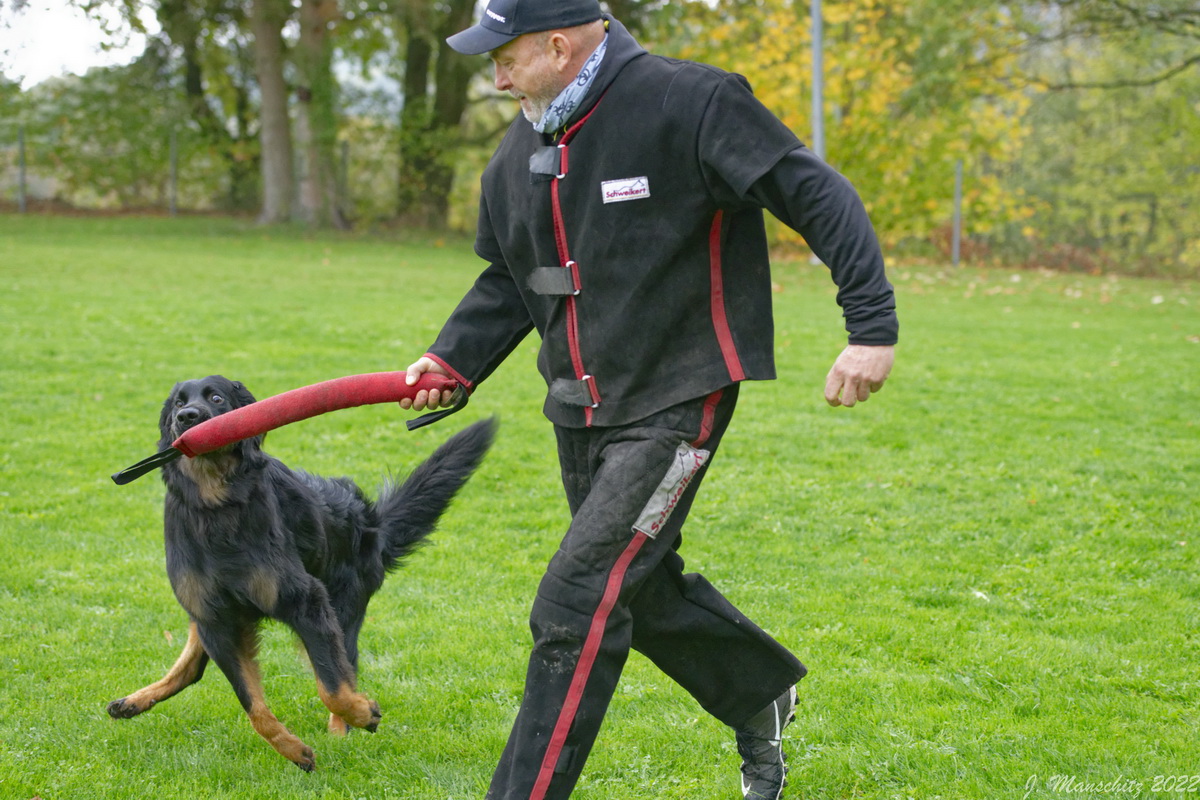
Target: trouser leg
<point>583,619</point>
<point>701,641</point>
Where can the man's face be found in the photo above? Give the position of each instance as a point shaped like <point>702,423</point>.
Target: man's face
<point>526,70</point>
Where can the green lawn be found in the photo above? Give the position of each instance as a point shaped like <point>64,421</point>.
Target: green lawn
<point>990,568</point>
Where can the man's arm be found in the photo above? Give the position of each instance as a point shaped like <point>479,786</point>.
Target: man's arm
<point>821,205</point>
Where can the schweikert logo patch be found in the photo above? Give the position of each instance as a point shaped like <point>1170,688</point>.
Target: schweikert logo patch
<point>625,189</point>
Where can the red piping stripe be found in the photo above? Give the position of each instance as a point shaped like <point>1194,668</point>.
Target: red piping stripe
<point>564,255</point>
<point>717,297</point>
<point>583,668</point>
<point>452,371</point>
<point>706,421</point>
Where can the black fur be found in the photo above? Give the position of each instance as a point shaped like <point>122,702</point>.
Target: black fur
<point>247,538</point>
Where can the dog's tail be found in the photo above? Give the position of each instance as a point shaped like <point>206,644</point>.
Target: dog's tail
<point>408,512</point>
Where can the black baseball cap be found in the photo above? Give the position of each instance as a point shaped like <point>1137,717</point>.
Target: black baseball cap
<point>505,20</point>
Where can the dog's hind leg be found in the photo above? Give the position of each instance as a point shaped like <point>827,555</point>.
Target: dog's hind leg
<point>351,622</point>
<point>188,669</point>
<point>309,613</point>
<point>235,654</point>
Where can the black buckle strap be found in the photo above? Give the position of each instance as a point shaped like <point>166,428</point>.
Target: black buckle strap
<point>548,162</point>
<point>555,281</point>
<point>576,393</point>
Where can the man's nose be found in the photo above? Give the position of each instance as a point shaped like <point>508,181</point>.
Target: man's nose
<point>502,81</point>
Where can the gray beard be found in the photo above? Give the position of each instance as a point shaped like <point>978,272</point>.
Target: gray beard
<point>537,108</point>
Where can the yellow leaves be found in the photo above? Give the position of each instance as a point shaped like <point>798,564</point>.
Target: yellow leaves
<point>905,100</point>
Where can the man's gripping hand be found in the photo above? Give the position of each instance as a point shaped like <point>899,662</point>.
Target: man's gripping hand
<point>432,398</point>
<point>858,371</point>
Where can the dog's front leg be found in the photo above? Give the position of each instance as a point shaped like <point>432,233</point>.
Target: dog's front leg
<point>188,669</point>
<point>235,653</point>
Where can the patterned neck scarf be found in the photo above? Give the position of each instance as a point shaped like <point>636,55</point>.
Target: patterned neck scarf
<point>568,100</point>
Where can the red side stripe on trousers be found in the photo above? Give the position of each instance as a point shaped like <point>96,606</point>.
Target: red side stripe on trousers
<point>583,669</point>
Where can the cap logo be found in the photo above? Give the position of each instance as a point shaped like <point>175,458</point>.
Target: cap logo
<point>496,17</point>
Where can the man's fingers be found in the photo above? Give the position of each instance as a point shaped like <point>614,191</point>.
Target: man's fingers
<point>833,388</point>
<point>858,372</point>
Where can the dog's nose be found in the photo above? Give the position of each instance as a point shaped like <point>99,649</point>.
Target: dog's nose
<point>187,416</point>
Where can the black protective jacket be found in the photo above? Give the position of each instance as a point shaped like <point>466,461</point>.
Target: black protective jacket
<point>633,241</point>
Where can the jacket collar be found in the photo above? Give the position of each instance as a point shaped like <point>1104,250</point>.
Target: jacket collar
<point>622,48</point>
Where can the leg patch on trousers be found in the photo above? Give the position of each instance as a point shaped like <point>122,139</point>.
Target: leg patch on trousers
<point>686,462</point>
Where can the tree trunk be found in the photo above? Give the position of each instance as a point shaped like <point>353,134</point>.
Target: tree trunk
<point>275,135</point>
<point>317,117</point>
<point>429,125</point>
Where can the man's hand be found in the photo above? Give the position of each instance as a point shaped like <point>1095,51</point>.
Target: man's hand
<point>432,398</point>
<point>858,371</point>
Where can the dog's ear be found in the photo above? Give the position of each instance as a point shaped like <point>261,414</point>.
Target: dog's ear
<point>164,418</point>
<point>240,394</point>
<point>239,397</point>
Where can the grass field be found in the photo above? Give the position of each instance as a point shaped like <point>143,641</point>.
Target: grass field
<point>990,568</point>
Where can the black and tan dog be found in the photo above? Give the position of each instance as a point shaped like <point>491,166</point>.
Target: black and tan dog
<point>249,539</point>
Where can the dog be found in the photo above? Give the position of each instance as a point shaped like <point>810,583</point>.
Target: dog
<point>248,539</point>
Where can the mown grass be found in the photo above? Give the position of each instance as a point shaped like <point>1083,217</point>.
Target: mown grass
<point>990,568</point>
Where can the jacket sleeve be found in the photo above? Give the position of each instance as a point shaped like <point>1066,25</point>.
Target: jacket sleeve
<point>819,203</point>
<point>750,158</point>
<point>489,322</point>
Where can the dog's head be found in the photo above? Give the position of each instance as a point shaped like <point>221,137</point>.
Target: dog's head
<point>193,402</point>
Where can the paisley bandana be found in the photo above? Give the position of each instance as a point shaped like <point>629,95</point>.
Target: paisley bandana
<point>568,99</point>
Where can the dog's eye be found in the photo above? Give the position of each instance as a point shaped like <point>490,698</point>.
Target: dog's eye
<point>217,399</point>
<point>179,402</point>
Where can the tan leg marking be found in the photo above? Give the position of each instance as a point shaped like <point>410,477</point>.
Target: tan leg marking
<point>184,672</point>
<point>337,726</point>
<point>268,726</point>
<point>353,708</point>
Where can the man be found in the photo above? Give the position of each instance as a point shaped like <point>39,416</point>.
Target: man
<point>622,218</point>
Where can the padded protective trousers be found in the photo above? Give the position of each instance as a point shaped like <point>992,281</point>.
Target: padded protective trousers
<point>617,582</point>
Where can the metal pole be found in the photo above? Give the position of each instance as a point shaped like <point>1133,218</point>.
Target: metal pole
<point>956,247</point>
<point>21,169</point>
<point>173,189</point>
<point>818,80</point>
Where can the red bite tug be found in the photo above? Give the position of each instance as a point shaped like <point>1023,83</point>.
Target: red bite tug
<point>293,406</point>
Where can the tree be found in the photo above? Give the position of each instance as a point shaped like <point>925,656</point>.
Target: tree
<point>912,87</point>
<point>1172,25</point>
<point>317,121</point>
<point>267,18</point>
<point>436,82</point>
<point>1111,163</point>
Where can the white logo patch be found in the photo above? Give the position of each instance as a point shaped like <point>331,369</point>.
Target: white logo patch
<point>496,16</point>
<point>625,189</point>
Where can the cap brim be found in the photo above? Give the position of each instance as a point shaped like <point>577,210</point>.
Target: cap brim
<point>477,40</point>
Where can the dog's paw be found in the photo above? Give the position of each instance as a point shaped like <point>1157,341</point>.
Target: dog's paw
<point>125,708</point>
<point>304,758</point>
<point>376,717</point>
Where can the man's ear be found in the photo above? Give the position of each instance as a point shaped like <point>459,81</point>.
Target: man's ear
<point>560,49</point>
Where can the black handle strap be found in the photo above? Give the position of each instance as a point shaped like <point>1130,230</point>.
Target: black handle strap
<point>459,398</point>
<point>150,464</point>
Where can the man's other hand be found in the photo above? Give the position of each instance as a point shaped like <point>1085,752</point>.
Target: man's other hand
<point>858,371</point>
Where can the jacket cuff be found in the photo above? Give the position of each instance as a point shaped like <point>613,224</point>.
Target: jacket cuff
<point>463,382</point>
<point>881,330</point>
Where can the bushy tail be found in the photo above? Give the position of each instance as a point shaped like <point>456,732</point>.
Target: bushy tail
<point>409,512</point>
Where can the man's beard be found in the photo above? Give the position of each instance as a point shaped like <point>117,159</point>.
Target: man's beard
<point>538,104</point>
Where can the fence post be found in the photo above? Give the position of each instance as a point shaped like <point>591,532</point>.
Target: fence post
<point>956,246</point>
<point>818,79</point>
<point>21,168</point>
